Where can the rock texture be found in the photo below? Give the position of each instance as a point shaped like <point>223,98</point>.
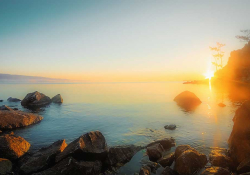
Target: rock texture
<point>15,119</point>
<point>216,171</point>
<point>168,171</point>
<point>187,100</point>
<point>5,166</point>
<point>5,108</point>
<point>145,170</point>
<point>35,99</point>
<point>10,99</point>
<point>239,140</point>
<point>90,146</point>
<point>189,161</point>
<point>155,152</point>
<point>167,160</point>
<point>166,143</point>
<point>244,166</point>
<point>57,99</point>
<point>13,147</point>
<point>220,158</point>
<point>42,159</point>
<point>170,127</point>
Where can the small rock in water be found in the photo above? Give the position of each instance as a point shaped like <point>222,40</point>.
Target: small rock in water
<point>57,99</point>
<point>187,100</point>
<point>1,100</point>
<point>10,99</point>
<point>170,127</point>
<point>35,99</point>
<point>221,105</point>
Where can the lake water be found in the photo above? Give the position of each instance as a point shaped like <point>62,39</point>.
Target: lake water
<point>131,113</point>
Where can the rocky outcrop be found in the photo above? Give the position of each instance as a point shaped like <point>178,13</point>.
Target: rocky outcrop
<point>5,166</point>
<point>145,170</point>
<point>10,99</point>
<point>216,171</point>
<point>239,140</point>
<point>219,158</point>
<point>244,166</point>
<point>189,161</point>
<point>57,99</point>
<point>119,155</point>
<point>35,99</point>
<point>42,159</point>
<point>88,147</point>
<point>16,119</point>
<point>155,152</point>
<point>70,166</point>
<point>167,160</point>
<point>168,171</point>
<point>170,127</point>
<point>13,147</point>
<point>187,100</point>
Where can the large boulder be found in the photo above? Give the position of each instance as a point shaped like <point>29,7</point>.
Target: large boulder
<point>216,171</point>
<point>70,166</point>
<point>155,152</point>
<point>5,166</point>
<point>219,158</point>
<point>167,160</point>
<point>16,119</point>
<point>57,99</point>
<point>239,140</point>
<point>41,159</point>
<point>121,154</point>
<point>187,100</point>
<point>35,99</point>
<point>90,146</point>
<point>13,147</point>
<point>189,161</point>
<point>10,99</point>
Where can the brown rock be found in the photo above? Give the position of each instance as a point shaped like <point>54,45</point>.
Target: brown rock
<point>90,146</point>
<point>5,166</point>
<point>155,152</point>
<point>244,166</point>
<point>215,171</point>
<point>180,149</point>
<point>145,170</point>
<point>167,160</point>
<point>57,99</point>
<point>42,159</point>
<point>168,171</point>
<point>13,147</point>
<point>166,143</point>
<point>35,99</point>
<point>220,159</point>
<point>187,100</point>
<point>17,119</point>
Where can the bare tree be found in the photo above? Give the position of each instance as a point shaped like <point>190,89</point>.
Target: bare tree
<point>245,37</point>
<point>218,56</point>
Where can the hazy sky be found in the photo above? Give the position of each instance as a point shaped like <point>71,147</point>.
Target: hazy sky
<point>114,40</point>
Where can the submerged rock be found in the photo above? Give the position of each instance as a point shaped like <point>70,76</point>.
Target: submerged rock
<point>5,108</point>
<point>42,159</point>
<point>187,100</point>
<point>167,160</point>
<point>121,154</point>
<point>221,105</point>
<point>10,99</point>
<point>5,166</point>
<point>170,127</point>
<point>90,146</point>
<point>189,161</point>
<point>70,166</point>
<point>155,152</point>
<point>215,171</point>
<point>57,99</point>
<point>35,99</point>
<point>145,170</point>
<point>13,147</point>
<point>16,119</point>
<point>168,171</point>
<point>220,159</point>
<point>239,140</point>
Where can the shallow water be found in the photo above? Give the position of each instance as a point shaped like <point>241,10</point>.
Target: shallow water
<point>130,113</point>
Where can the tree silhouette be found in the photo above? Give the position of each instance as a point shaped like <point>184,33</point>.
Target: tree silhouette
<point>218,56</point>
<point>245,37</point>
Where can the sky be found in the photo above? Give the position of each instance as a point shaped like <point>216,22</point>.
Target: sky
<point>115,40</point>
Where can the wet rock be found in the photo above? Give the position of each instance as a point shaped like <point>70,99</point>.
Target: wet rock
<point>220,159</point>
<point>35,99</point>
<point>13,147</point>
<point>70,166</point>
<point>16,109</point>
<point>182,148</point>
<point>166,143</point>
<point>90,146</point>
<point>155,152</point>
<point>42,159</point>
<point>239,140</point>
<point>1,100</point>
<point>244,166</point>
<point>167,160</point>
<point>57,99</point>
<point>221,105</point>
<point>145,170</point>
<point>189,161</point>
<point>187,100</point>
<point>170,127</point>
<point>215,171</point>
<point>168,171</point>
<point>5,166</point>
<point>5,108</point>
<point>121,154</point>
<point>17,119</point>
<point>10,99</point>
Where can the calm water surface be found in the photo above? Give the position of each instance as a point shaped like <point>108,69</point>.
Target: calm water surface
<point>130,113</point>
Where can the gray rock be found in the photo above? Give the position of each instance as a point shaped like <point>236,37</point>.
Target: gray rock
<point>10,99</point>
<point>5,166</point>
<point>57,99</point>
<point>35,99</point>
<point>170,127</point>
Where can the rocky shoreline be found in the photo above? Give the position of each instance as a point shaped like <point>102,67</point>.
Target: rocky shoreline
<point>90,154</point>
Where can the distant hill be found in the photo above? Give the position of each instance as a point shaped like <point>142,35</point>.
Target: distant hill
<point>8,78</point>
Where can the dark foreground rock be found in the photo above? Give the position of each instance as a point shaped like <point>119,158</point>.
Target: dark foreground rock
<point>5,166</point>
<point>13,147</point>
<point>35,99</point>
<point>239,140</point>
<point>155,152</point>
<point>170,127</point>
<point>189,161</point>
<point>10,99</point>
<point>70,166</point>
<point>187,100</point>
<point>119,155</point>
<point>145,170</point>
<point>1,100</point>
<point>168,171</point>
<point>216,171</point>
<point>15,119</point>
<point>167,160</point>
<point>57,99</point>
<point>244,166</point>
<point>88,147</point>
<point>219,158</point>
<point>42,159</point>
<point>5,108</point>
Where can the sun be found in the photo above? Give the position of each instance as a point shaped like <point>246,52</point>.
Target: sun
<point>209,74</point>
